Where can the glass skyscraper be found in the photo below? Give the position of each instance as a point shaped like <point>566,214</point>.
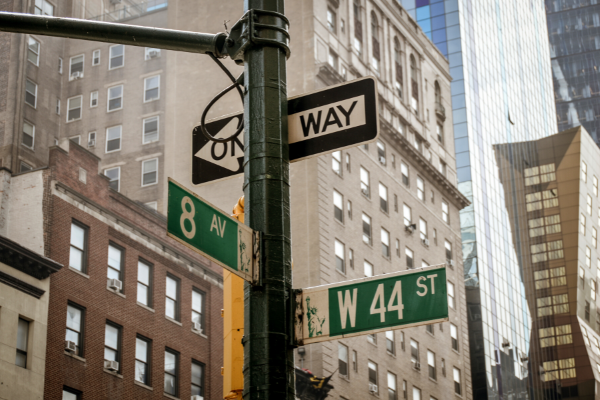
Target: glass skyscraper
<point>574,32</point>
<point>501,93</point>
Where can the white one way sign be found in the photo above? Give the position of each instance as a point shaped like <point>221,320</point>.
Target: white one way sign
<point>319,122</point>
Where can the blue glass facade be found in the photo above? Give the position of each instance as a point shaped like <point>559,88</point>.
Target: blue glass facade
<point>501,93</point>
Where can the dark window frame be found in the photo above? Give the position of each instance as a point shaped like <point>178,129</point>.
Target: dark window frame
<point>150,286</point>
<point>86,236</point>
<point>148,376</point>
<point>81,347</point>
<point>122,270</point>
<point>203,310</point>
<point>177,300</point>
<point>177,372</point>
<point>203,367</point>
<point>119,349</point>
<point>76,392</point>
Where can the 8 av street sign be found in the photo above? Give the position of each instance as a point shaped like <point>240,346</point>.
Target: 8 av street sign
<point>326,120</point>
<point>369,305</point>
<point>205,229</point>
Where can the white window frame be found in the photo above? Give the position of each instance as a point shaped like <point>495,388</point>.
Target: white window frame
<point>37,55</point>
<point>110,57</point>
<point>60,65</point>
<point>94,64</point>
<point>90,138</point>
<point>32,136</point>
<point>108,98</point>
<point>42,10</point>
<point>71,65</point>
<point>146,89</point>
<point>143,164</point>
<point>80,108</point>
<point>118,180</point>
<point>120,139</point>
<point>34,105</point>
<point>144,129</point>
<point>92,98</point>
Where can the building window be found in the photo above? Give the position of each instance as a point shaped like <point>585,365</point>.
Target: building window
<point>559,369</point>
<point>593,289</point>
<point>171,372</point>
<point>22,343</point>
<point>398,247</point>
<point>351,258</point>
<point>407,215</point>
<point>558,304</point>
<point>60,65</point>
<point>57,106</point>
<point>391,383</point>
<point>358,29</point>
<point>338,206</point>
<point>74,108</point>
<point>587,311</point>
<point>117,56</point>
<point>142,360</point>
<point>115,98</point>
<point>366,223</point>
<point>385,243</point>
<point>364,182</point>
<point>381,152</point>
<point>550,278</point>
<point>555,336</point>
<point>70,394</point>
<point>354,361</point>
<point>114,176</point>
<point>343,359</point>
<point>396,203</point>
<point>373,374</point>
<point>33,51</point>
<point>589,204</point>
<point>584,171</point>
<point>113,138</point>
<point>331,20</point>
<point>336,162</point>
<point>112,343</point>
<point>420,189</point>
<point>150,126</point>
<point>348,163</point>
<point>595,182</point>
<point>543,173</point>
<point>544,251</point>
<point>115,262</point>
<point>76,67</point>
<point>75,139</point>
<point>398,82</point>
<point>544,226</point>
<point>383,198</point>
<point>368,268</point>
<point>588,257</point>
<point>404,172</point>
<point>144,283</point>
<point>42,7</point>
<point>423,229</point>
<point>93,99</point>
<point>78,249</point>
<point>197,378</point>
<point>431,364</point>
<point>414,351</point>
<point>150,172</point>
<point>429,329</point>
<point>390,342</point>
<point>595,237</point>
<point>172,298</point>
<point>448,247</point>
<point>440,133</point>
<point>454,336</point>
<point>409,258</point>
<point>24,167</point>
<point>152,88</point>
<point>443,167</point>
<point>333,60</point>
<point>340,251</point>
<point>30,93</point>
<point>457,385</point>
<point>349,206</point>
<point>96,58</point>
<point>546,199</point>
<point>445,212</point>
<point>414,101</point>
<point>28,138</point>
<point>451,295</point>
<point>75,315</point>
<point>198,305</point>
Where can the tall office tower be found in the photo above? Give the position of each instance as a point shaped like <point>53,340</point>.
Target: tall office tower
<point>551,196</point>
<point>501,92</point>
<point>575,52</point>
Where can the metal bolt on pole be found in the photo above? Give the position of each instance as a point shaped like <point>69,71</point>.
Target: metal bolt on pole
<point>268,356</point>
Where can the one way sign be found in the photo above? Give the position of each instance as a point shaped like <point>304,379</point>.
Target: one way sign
<point>323,121</point>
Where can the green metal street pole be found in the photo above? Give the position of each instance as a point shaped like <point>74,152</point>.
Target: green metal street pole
<point>268,356</point>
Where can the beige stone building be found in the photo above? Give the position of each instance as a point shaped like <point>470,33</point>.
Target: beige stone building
<point>24,287</point>
<point>136,108</point>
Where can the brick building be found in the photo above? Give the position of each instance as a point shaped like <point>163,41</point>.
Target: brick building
<point>137,341</point>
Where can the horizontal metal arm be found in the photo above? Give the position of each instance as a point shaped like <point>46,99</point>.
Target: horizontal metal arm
<point>133,35</point>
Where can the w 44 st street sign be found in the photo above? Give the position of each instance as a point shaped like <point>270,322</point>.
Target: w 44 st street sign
<point>207,230</point>
<point>369,305</point>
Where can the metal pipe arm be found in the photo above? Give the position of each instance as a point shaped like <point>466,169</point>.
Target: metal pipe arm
<point>132,35</point>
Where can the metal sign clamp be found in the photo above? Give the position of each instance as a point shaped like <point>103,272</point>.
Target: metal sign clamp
<point>245,33</point>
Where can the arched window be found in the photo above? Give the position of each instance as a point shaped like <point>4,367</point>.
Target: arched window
<point>438,94</point>
<point>357,42</point>
<point>414,101</point>
<point>398,67</point>
<point>375,39</point>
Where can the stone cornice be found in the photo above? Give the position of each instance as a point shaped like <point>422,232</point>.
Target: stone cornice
<point>25,260</point>
<point>20,285</point>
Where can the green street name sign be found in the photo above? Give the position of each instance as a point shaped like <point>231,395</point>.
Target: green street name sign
<point>368,305</point>
<point>209,231</point>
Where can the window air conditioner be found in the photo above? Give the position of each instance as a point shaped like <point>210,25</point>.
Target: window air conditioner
<point>197,397</point>
<point>70,346</point>
<point>153,53</point>
<point>450,263</point>
<point>365,192</point>
<point>76,75</point>
<point>111,365</point>
<point>115,284</point>
<point>92,143</point>
<point>372,388</point>
<point>505,342</point>
<point>425,242</point>
<point>417,365</point>
<point>410,228</point>
<point>197,327</point>
<point>382,159</point>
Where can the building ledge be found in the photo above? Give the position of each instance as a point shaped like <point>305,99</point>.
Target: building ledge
<point>25,260</point>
